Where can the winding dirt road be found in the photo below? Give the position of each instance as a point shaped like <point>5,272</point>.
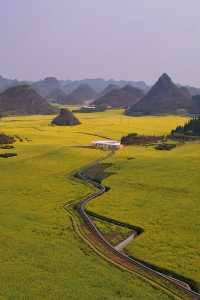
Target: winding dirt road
<point>170,285</point>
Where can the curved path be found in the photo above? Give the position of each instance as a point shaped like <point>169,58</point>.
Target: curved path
<point>173,286</point>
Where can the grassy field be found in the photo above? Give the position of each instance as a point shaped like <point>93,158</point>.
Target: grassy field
<point>158,191</point>
<point>40,255</point>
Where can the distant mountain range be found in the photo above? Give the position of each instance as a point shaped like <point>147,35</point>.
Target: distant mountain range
<point>46,85</point>
<point>120,97</point>
<point>193,90</point>
<point>5,83</point>
<point>23,100</point>
<point>165,97</point>
<point>57,95</point>
<point>108,89</point>
<point>100,84</point>
<point>80,95</point>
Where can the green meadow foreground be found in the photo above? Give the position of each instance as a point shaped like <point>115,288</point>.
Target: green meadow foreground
<point>41,256</point>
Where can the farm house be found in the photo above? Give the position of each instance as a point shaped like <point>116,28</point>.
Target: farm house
<point>107,145</point>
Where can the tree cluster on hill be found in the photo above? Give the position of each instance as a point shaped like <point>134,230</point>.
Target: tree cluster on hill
<point>136,139</point>
<point>7,155</point>
<point>195,105</point>
<point>191,128</point>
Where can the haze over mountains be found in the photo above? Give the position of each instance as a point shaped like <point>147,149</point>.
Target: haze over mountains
<point>108,89</point>
<point>57,95</point>
<point>46,85</point>
<point>81,94</point>
<point>164,97</point>
<point>6,83</point>
<point>100,84</point>
<point>120,97</point>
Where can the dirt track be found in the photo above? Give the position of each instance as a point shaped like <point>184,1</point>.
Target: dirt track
<point>173,286</point>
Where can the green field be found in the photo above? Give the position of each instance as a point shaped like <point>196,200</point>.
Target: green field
<point>41,256</point>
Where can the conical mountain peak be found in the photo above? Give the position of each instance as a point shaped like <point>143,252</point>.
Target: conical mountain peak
<point>65,118</point>
<point>165,76</point>
<point>163,98</point>
<point>24,100</point>
<point>165,80</point>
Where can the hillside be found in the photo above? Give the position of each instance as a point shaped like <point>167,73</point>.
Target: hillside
<point>23,100</point>
<point>65,118</point>
<point>83,93</point>
<point>195,105</point>
<point>193,90</point>
<point>99,84</point>
<point>123,97</point>
<point>57,95</point>
<point>108,89</point>
<point>46,86</point>
<point>163,98</point>
<point>6,83</point>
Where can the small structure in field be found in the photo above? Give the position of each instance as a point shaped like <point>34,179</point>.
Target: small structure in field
<point>91,109</point>
<point>107,145</point>
<point>65,118</point>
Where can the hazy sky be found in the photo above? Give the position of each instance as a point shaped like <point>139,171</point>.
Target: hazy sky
<point>122,39</point>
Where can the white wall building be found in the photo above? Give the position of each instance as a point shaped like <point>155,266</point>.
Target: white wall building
<point>107,145</point>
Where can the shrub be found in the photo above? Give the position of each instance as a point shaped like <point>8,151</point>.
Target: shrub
<point>6,139</point>
<point>7,147</point>
<point>135,139</point>
<point>165,146</point>
<point>7,155</point>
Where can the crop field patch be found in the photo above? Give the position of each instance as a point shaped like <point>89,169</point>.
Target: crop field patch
<point>40,251</point>
<point>160,193</point>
